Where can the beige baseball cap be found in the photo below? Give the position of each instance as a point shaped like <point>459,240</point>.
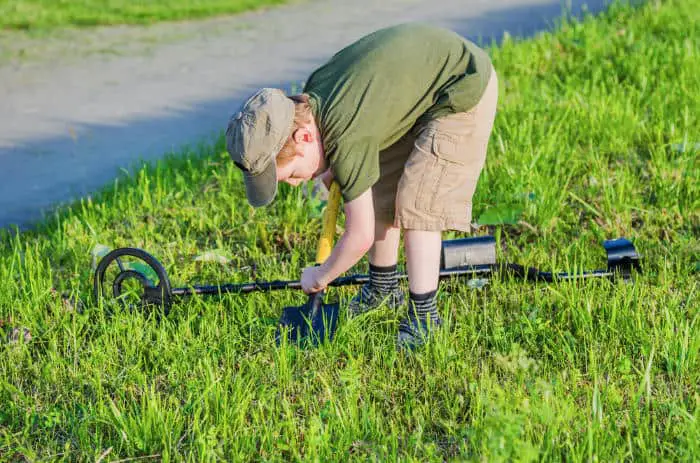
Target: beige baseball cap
<point>254,137</point>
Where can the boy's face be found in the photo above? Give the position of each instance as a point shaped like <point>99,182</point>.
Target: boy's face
<point>308,161</point>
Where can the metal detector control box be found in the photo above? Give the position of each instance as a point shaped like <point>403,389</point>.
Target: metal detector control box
<point>463,252</point>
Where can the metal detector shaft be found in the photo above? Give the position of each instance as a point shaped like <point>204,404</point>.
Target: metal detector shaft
<point>350,280</point>
<point>528,273</point>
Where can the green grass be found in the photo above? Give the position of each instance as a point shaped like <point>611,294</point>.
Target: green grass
<point>51,14</point>
<point>596,137</point>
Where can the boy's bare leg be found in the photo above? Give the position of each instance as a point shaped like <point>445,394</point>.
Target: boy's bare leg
<point>423,259</point>
<point>383,286</point>
<point>385,251</point>
<point>423,263</point>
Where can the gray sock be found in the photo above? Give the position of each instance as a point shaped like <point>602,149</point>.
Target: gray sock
<point>424,306</point>
<point>383,279</point>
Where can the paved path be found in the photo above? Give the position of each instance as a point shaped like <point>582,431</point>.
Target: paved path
<point>75,110</point>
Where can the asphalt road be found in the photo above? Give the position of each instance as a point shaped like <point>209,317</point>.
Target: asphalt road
<point>77,108</point>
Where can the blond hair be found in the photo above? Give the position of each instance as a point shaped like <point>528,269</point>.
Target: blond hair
<point>302,116</point>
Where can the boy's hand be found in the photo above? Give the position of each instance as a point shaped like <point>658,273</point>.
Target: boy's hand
<point>313,280</point>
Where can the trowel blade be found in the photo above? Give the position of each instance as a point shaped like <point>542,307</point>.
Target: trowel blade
<point>304,323</point>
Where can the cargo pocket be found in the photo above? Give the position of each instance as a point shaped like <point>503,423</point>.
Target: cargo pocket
<point>445,147</point>
<point>445,187</point>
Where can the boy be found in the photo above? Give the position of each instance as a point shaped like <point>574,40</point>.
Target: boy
<point>401,120</point>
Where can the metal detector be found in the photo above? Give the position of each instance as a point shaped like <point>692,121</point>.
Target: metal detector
<point>466,257</point>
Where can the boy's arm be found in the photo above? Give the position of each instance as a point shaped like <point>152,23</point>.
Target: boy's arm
<point>352,245</point>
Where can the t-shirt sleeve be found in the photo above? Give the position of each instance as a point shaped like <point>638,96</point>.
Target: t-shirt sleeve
<point>355,166</point>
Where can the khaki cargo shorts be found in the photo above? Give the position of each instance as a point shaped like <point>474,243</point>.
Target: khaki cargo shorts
<point>427,182</point>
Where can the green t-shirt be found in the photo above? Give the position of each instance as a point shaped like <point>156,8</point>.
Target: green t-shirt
<point>369,94</point>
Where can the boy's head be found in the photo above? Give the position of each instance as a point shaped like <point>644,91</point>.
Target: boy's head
<point>274,138</point>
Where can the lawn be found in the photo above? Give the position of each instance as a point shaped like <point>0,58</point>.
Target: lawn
<point>597,136</point>
<point>51,14</point>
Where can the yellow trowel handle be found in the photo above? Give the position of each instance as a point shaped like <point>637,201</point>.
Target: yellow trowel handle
<point>330,215</point>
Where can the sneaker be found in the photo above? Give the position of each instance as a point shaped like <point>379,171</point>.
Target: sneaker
<point>369,299</point>
<point>415,331</point>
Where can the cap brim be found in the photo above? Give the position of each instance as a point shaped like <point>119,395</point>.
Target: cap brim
<point>261,188</point>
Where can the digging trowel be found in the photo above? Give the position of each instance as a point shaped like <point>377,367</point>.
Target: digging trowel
<point>315,321</point>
